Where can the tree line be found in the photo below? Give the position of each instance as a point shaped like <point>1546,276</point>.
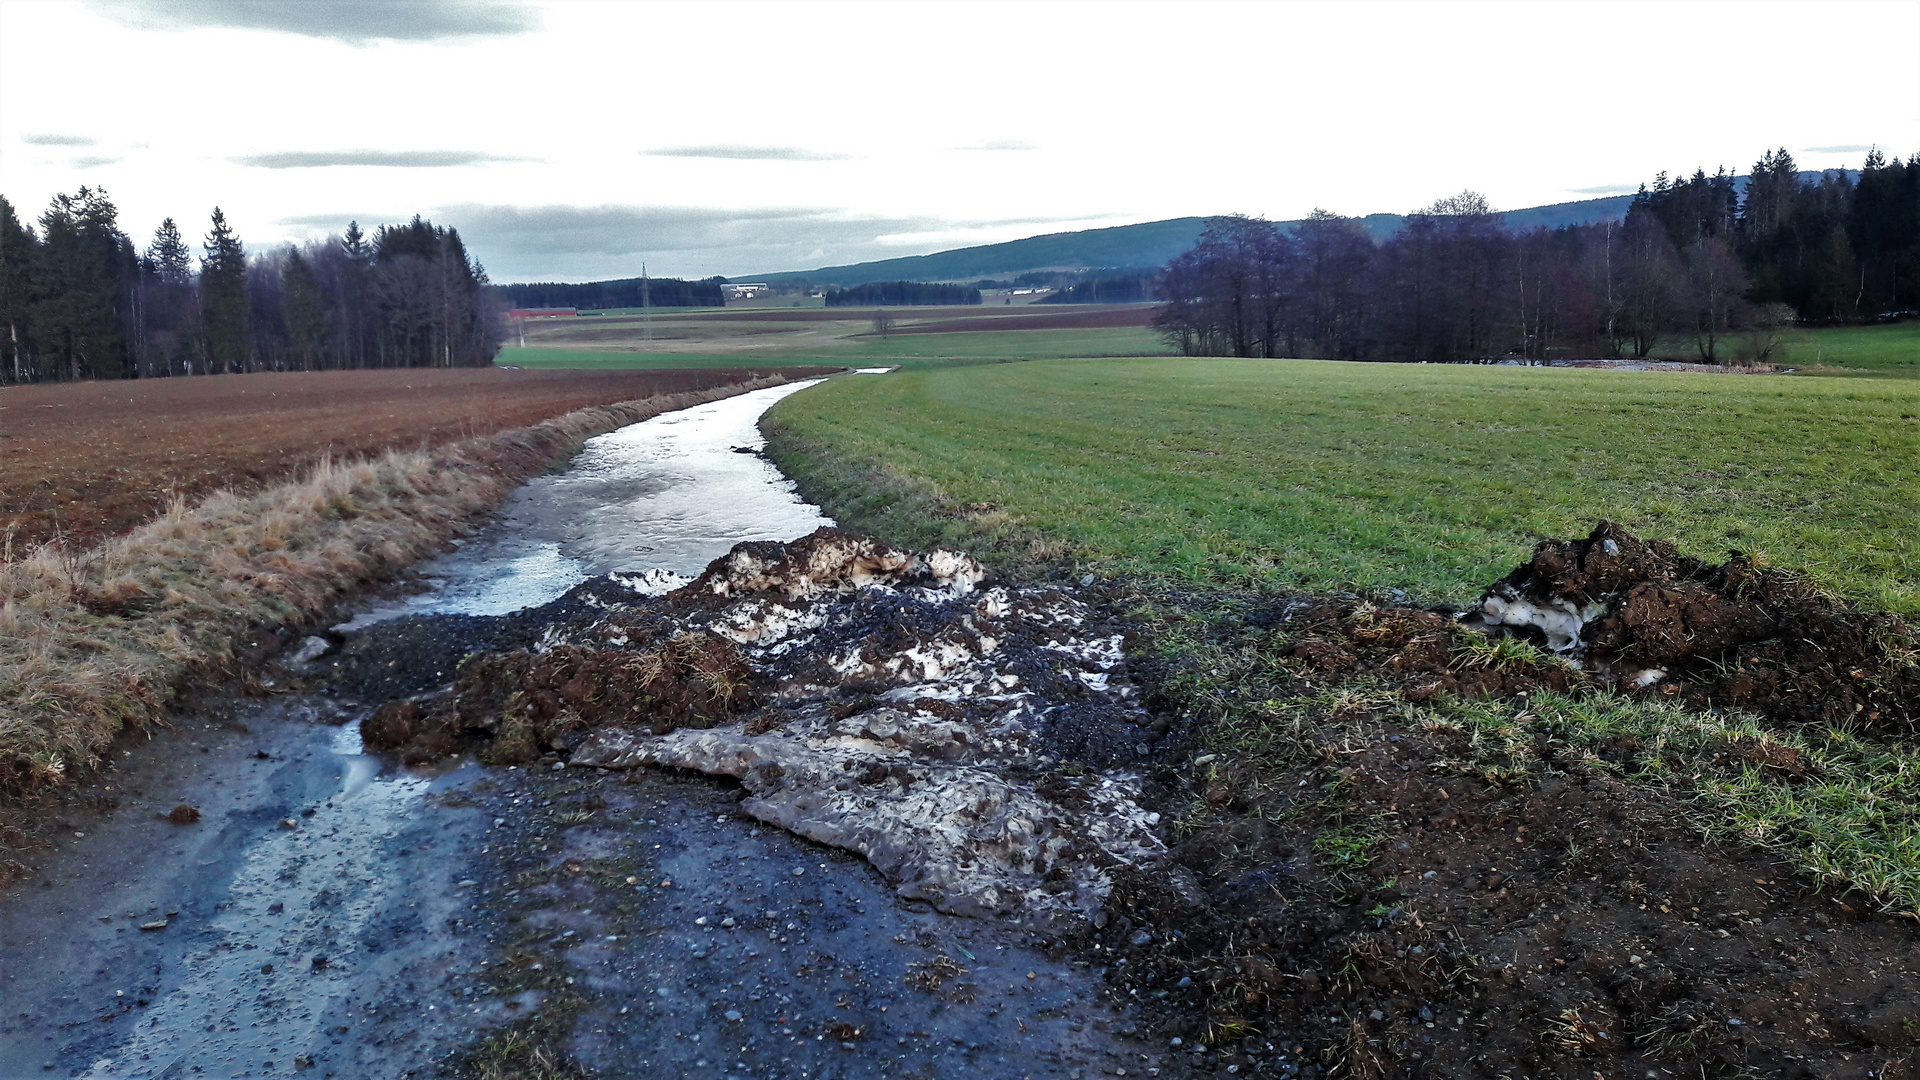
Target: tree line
<point>1714,263</point>
<point>79,300</point>
<point>624,293</point>
<point>1125,286</point>
<point>902,294</point>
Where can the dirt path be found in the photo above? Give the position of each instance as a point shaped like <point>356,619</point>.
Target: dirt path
<point>399,927</point>
<point>331,912</point>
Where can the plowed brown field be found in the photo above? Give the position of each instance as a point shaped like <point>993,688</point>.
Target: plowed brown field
<point>87,460</point>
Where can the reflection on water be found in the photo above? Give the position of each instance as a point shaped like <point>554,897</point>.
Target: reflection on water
<point>662,497</point>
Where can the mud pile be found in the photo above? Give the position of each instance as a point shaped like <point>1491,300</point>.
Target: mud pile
<point>1734,634</point>
<point>976,744</point>
<point>522,701</point>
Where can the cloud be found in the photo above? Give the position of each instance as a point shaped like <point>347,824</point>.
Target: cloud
<point>91,161</point>
<point>355,22</point>
<point>1001,145</point>
<point>1835,149</point>
<point>383,159</point>
<point>745,153</point>
<point>1606,189</point>
<point>548,243</point>
<point>57,140</point>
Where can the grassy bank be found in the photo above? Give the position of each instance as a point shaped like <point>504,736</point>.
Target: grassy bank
<point>93,640</point>
<point>1434,480</point>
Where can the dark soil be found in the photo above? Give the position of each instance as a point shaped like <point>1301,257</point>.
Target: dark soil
<point>1343,886</point>
<point>94,459</point>
<point>1736,634</point>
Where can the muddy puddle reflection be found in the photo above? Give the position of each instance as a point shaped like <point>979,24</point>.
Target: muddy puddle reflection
<point>653,502</point>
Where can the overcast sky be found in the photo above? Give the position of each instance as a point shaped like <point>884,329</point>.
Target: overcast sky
<point>573,140</point>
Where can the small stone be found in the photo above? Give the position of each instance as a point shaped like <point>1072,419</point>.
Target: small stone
<point>1140,937</point>
<point>799,871</point>
<point>157,924</point>
<point>184,815</point>
<point>289,823</point>
<point>558,765</point>
<point>1185,980</point>
<point>728,923</point>
<point>732,1014</point>
<point>1175,1041</point>
<point>312,648</point>
<point>701,921</point>
<point>499,822</point>
<point>1376,1015</point>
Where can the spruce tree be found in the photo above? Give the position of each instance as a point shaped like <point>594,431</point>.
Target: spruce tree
<point>223,298</point>
<point>306,314</point>
<point>168,255</point>
<point>19,249</point>
<point>78,303</point>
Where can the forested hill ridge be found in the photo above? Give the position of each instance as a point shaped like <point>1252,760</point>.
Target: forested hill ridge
<point>1152,243</point>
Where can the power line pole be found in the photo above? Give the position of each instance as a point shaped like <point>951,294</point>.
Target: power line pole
<point>646,304</point>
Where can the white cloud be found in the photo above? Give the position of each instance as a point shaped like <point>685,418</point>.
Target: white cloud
<point>745,153</point>
<point>356,22</point>
<point>386,159</point>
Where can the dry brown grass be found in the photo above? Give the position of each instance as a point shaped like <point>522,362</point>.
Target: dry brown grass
<point>95,640</point>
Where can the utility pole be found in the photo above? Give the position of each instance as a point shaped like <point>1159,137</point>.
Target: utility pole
<point>646,304</point>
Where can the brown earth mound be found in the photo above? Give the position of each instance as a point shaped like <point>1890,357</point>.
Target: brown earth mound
<point>1735,634</point>
<point>1366,878</point>
<point>524,702</point>
<point>1380,920</point>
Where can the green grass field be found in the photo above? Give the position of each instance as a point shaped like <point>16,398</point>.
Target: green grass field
<point>1435,480</point>
<point>1893,349</point>
<point>858,349</point>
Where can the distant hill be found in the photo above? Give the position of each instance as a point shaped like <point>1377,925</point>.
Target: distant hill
<point>1152,243</point>
<point>1149,244</point>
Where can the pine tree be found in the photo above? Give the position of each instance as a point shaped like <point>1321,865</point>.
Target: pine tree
<point>306,314</point>
<point>353,296</point>
<point>19,250</point>
<point>172,263</point>
<point>78,303</point>
<point>223,298</point>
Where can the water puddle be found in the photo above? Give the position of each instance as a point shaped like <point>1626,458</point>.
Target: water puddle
<point>653,502</point>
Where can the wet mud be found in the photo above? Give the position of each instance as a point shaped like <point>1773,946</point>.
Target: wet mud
<point>1733,634</point>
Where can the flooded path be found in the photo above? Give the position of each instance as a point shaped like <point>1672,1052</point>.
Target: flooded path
<point>655,502</point>
<point>333,914</point>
